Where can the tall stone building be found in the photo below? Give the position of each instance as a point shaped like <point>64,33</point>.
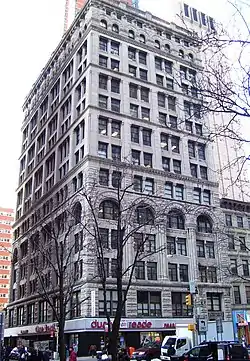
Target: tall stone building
<point>120,87</point>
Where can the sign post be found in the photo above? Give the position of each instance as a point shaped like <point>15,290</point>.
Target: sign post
<point>219,327</point>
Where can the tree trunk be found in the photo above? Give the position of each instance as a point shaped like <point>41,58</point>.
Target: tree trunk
<point>113,349</point>
<point>61,341</point>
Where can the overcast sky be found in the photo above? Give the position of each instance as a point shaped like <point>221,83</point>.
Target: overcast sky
<point>30,30</point>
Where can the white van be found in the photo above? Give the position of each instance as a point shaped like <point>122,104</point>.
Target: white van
<point>180,345</point>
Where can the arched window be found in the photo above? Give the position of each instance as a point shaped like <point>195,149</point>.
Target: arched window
<point>104,24</point>
<point>157,44</point>
<point>142,39</point>
<point>15,258</point>
<point>77,212</point>
<point>204,224</point>
<point>108,210</point>
<point>176,220</point>
<point>181,53</point>
<point>167,47</point>
<point>115,28</point>
<point>190,57</point>
<point>144,215</point>
<point>131,34</point>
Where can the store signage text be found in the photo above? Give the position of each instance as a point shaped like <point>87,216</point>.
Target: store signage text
<point>131,325</point>
<point>45,329</point>
<point>169,325</point>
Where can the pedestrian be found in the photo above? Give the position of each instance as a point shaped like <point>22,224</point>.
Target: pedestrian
<point>72,354</point>
<point>92,350</point>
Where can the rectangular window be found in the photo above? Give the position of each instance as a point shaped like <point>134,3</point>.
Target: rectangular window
<point>104,235</point>
<point>114,267</point>
<point>245,268</point>
<point>103,102</point>
<point>213,301</point>
<point>116,179</point>
<point>162,118</point>
<point>140,270</point>
<point>132,70</point>
<point>159,80</point>
<point>168,66</point>
<point>152,271</point>
<point>203,19</point>
<point>115,129</point>
<point>103,44</point>
<point>234,267</point>
<point>149,186</point>
<point>161,100</point>
<point>177,166</point>
<point>212,274</point>
<point>43,311</point>
<point>145,95</point>
<point>206,196</point>
<point>200,248</point>
<point>186,10</point>
<point>171,103</point>
<point>135,132</point>
<point>103,61</point>
<point>115,85</point>
<point>195,16</point>
<point>210,249</point>
<point>193,170</point>
<point>203,172</point>
<point>116,152</point>
<point>166,164</point>
<point>136,155</point>
<point>169,84</point>
<point>147,160</point>
<point>115,47</point>
<point>146,136</point>
<point>103,81</point>
<point>171,249</point>
<point>242,241</point>
<point>198,129</point>
<point>138,182</point>
<point>183,271</point>
<point>203,273</point>
<point>115,64</point>
<point>191,149</point>
<point>201,151</point>
<point>158,63</point>
<point>164,141</point>
<point>114,239</point>
<point>239,222</point>
<point>115,105</point>
<point>103,126</point>
<point>111,298</point>
<point>237,295</point>
<point>131,53</point>
<point>169,190</point>
<point>175,144</point>
<point>179,192</point>
<point>179,307</point>
<point>104,177</point>
<point>148,303</point>
<point>247,289</point>
<point>172,272</point>
<point>133,91</point>
<point>228,219</point>
<point>143,74</point>
<point>173,122</point>
<point>102,150</point>
<point>151,242</point>
<point>134,110</point>
<point>142,58</point>
<point>181,246</point>
<point>145,113</point>
<point>189,126</point>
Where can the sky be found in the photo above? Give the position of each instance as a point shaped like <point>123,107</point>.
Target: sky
<point>30,30</point>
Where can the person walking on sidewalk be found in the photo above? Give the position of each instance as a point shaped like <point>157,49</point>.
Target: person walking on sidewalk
<point>72,354</point>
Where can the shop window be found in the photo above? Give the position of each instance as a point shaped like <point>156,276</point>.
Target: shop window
<point>148,303</point>
<point>179,307</point>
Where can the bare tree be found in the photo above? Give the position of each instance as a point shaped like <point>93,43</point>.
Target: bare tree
<point>133,217</point>
<point>57,266</point>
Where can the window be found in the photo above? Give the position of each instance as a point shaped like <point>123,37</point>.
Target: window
<point>133,90</point>
<point>234,267</point>
<point>210,249</point>
<point>103,126</point>
<point>103,82</point>
<point>169,190</point>
<point>172,272</point>
<point>179,307</point>
<point>195,16</point>
<point>43,311</point>
<point>134,110</point>
<point>116,179</point>
<point>152,271</point>
<point>159,80</point>
<point>181,246</point>
<point>144,215</point>
<point>197,111</point>
<point>116,153</point>
<point>115,105</point>
<point>177,166</point>
<point>198,129</point>
<point>147,160</point>
<point>146,136</point>
<point>20,315</point>
<point>115,47</point>
<point>114,239</point>
<point>212,274</point>
<point>191,149</point>
<point>166,164</point>
<point>179,192</point>
<point>102,150</point>
<point>140,270</point>
<point>169,84</point>
<point>237,295</point>
<point>173,121</point>
<point>201,151</point>
<point>242,241</point>
<point>148,303</point>
<point>206,196</point>
<point>239,222</point>
<point>104,235</point>
<point>143,74</point>
<point>145,94</point>
<point>103,61</point>
<point>158,63</point>
<point>175,144</point>
<point>132,53</point>
<point>104,177</point>
<point>157,44</point>
<point>115,28</point>
<point>186,10</point>
<point>115,85</point>
<point>135,132</point>
<point>142,39</point>
<point>213,301</point>
<point>131,34</point>
<point>136,154</point>
<point>183,271</point>
<point>103,24</point>
<point>176,220</point>
<point>103,44</point>
<point>161,100</point>
<point>171,103</point>
<point>163,118</point>
<point>115,64</point>
<point>138,182</point>
<point>103,102</point>
<point>245,268</point>
<point>168,66</point>
<point>247,289</point>
<point>149,186</point>
<point>200,248</point>
<point>203,19</point>
<point>115,129</point>
<point>151,243</point>
<point>113,267</point>
<point>203,273</point>
<point>164,141</point>
<point>231,244</point>
<point>228,219</point>
<point>204,225</point>
<point>111,297</point>
<point>132,70</point>
<point>171,249</point>
<point>145,113</point>
<point>108,210</point>
<point>189,126</point>
<point>193,170</point>
<point>143,57</point>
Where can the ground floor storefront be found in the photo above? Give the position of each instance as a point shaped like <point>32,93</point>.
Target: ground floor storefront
<point>241,325</point>
<point>83,332</point>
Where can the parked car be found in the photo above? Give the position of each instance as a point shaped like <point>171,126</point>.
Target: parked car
<point>148,352</point>
<point>215,351</point>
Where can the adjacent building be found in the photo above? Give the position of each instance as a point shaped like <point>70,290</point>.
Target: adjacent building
<point>120,87</point>
<point>6,221</point>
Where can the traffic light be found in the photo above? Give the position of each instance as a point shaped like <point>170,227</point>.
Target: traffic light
<point>189,300</point>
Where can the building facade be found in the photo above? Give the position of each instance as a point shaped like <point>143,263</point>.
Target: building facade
<point>120,88</point>
<point>6,221</point>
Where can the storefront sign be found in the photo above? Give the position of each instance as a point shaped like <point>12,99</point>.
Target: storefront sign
<point>98,325</point>
<point>45,329</point>
<point>139,324</point>
<point>169,325</point>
